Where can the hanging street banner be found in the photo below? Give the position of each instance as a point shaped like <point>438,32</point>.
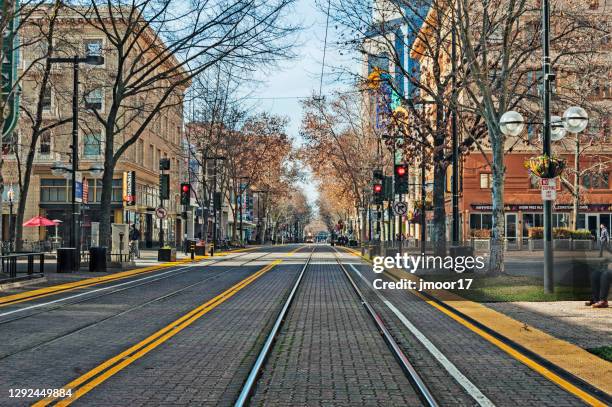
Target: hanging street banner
<point>129,188</point>
<point>10,61</point>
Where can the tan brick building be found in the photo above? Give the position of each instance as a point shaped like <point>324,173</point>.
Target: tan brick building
<point>50,195</point>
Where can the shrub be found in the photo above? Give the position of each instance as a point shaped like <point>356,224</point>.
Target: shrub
<point>562,233</point>
<point>536,232</point>
<point>582,234</point>
<point>481,233</point>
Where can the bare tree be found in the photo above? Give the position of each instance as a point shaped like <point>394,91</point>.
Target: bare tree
<point>156,48</point>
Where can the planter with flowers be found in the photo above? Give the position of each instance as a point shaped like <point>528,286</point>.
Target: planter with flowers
<point>544,166</point>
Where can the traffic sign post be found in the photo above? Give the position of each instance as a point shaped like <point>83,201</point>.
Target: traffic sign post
<point>400,208</point>
<point>549,189</point>
<point>161,213</point>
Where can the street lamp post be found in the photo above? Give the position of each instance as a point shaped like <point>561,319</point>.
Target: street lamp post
<point>75,61</point>
<point>575,120</point>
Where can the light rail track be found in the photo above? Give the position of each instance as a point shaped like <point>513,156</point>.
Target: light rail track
<point>414,378</point>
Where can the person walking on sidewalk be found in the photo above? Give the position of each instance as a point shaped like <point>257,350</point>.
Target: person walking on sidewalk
<point>604,239</point>
<point>134,239</point>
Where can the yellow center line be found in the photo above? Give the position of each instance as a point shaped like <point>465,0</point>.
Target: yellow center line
<point>115,364</point>
<point>61,288</point>
<point>553,377</point>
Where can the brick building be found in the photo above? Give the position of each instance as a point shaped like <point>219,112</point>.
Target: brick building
<point>50,194</point>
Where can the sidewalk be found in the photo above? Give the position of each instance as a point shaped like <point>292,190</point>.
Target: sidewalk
<point>571,321</point>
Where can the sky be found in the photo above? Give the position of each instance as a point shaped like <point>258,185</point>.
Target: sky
<point>280,93</point>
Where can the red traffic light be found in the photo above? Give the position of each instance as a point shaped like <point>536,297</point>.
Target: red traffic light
<point>377,188</point>
<point>185,188</point>
<point>400,170</point>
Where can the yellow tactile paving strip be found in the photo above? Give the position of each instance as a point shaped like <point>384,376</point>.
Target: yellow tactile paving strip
<point>55,289</point>
<point>573,359</point>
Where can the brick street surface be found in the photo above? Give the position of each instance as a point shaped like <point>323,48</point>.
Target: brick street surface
<point>329,352</point>
<point>503,379</point>
<point>70,341</point>
<point>206,364</point>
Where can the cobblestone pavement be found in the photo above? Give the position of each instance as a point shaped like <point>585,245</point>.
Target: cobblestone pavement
<point>50,349</point>
<point>329,352</point>
<point>501,378</point>
<point>207,364</point>
<point>567,320</point>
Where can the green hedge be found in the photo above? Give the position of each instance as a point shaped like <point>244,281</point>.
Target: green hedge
<point>561,233</point>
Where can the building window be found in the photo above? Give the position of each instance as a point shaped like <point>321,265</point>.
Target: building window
<point>44,147</point>
<point>140,153</point>
<point>47,99</point>
<point>95,190</point>
<point>596,180</point>
<point>534,182</point>
<point>151,156</point>
<point>481,221</point>
<point>54,190</point>
<point>95,99</point>
<point>92,145</point>
<point>94,47</point>
<point>486,180</point>
<point>560,220</point>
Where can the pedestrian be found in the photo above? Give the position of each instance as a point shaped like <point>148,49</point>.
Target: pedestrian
<point>600,288</point>
<point>134,240</point>
<point>604,239</point>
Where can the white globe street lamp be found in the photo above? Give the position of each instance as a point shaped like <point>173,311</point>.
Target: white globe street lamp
<point>557,129</point>
<point>575,119</point>
<point>511,123</point>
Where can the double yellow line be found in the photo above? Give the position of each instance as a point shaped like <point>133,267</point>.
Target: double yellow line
<point>85,383</point>
<point>61,288</point>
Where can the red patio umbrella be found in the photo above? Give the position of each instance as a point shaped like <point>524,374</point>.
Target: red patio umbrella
<point>37,221</point>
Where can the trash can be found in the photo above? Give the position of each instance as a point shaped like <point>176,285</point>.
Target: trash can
<point>462,251</point>
<point>97,259</point>
<point>66,260</point>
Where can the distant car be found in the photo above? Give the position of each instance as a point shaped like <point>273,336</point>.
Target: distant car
<point>309,239</point>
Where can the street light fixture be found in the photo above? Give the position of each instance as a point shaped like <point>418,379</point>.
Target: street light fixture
<point>89,59</point>
<point>575,120</point>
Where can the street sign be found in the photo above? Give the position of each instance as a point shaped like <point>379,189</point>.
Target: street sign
<point>161,212</point>
<point>400,208</point>
<point>549,188</point>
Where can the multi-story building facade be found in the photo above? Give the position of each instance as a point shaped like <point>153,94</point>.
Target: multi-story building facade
<point>522,195</point>
<point>50,193</point>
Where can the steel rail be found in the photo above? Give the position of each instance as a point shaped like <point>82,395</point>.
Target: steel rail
<point>266,349</point>
<point>413,376</point>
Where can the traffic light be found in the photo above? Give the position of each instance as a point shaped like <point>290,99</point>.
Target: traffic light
<point>378,188</point>
<point>401,178</point>
<point>164,164</point>
<point>164,186</point>
<point>185,193</point>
